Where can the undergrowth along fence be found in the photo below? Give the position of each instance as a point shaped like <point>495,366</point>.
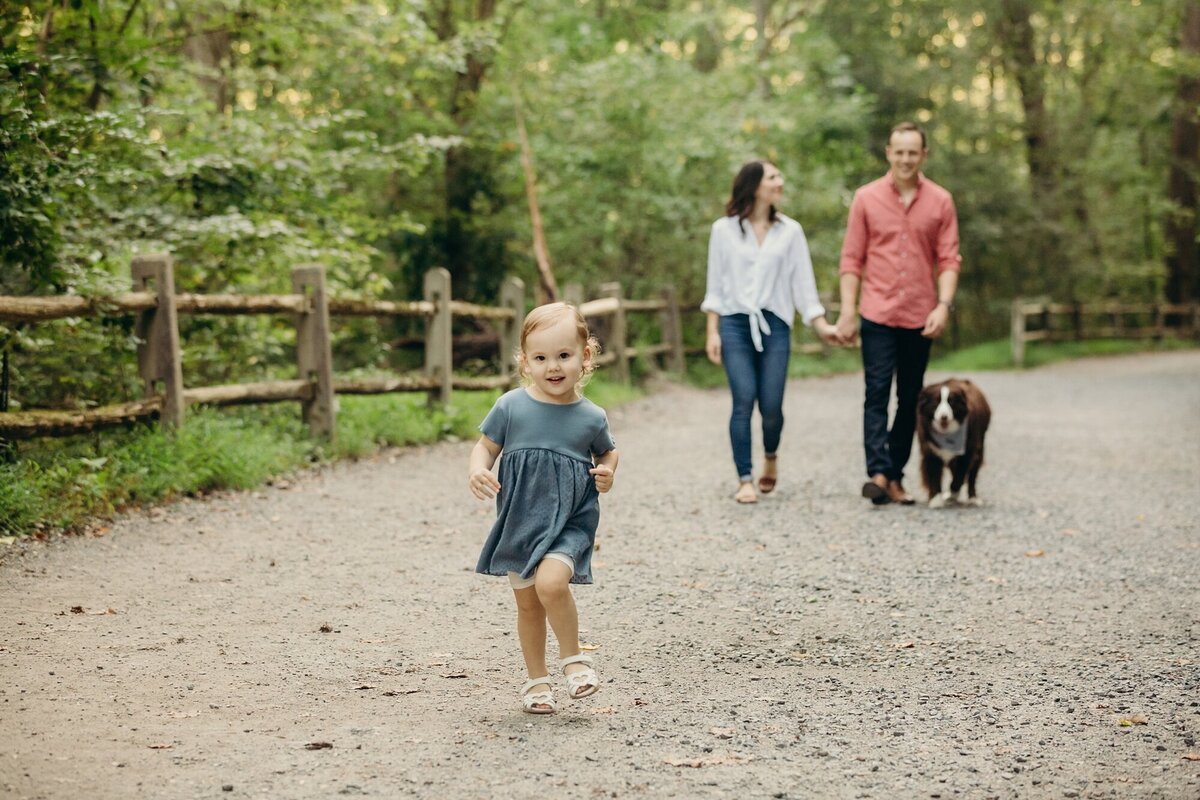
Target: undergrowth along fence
<point>159,354</point>
<point>1044,321</point>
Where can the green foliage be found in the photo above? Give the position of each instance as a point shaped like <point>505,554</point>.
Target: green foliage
<point>997,354</point>
<point>379,139</point>
<point>61,484</point>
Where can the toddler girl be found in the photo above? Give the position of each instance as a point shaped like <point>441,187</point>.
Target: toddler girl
<point>558,454</point>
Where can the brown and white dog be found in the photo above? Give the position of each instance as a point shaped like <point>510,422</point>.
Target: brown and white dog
<point>952,418</point>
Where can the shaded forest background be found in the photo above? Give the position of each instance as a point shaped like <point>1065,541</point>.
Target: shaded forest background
<point>380,139</point>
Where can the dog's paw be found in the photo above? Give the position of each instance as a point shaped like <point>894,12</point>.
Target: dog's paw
<point>975,502</point>
<point>941,500</point>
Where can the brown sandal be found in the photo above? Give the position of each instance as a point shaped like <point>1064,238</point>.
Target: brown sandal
<point>766,483</point>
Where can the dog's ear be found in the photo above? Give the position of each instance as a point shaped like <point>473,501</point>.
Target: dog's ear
<point>958,401</point>
<point>927,401</point>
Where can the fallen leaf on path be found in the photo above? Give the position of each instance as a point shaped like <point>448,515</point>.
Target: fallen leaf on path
<point>1133,719</point>
<point>76,609</point>
<point>589,647</point>
<point>319,746</point>
<point>361,688</point>
<point>722,733</point>
<point>101,613</point>
<point>326,628</point>
<point>1193,756</point>
<point>1035,553</point>
<point>637,701</point>
<point>903,645</point>
<point>455,675</point>
<point>160,746</point>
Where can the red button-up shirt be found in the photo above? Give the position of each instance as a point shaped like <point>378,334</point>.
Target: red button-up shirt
<point>898,252</point>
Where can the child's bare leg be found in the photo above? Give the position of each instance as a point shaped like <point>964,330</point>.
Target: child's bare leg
<point>553,584</point>
<point>531,630</point>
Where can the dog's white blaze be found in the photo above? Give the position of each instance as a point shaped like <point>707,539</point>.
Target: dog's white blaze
<point>943,415</point>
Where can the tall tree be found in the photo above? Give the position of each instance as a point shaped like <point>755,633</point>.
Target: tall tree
<point>1183,257</point>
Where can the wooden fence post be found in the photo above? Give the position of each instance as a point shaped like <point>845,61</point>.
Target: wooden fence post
<point>314,358</point>
<point>617,332</point>
<point>157,330</point>
<point>512,296</point>
<point>672,331</point>
<point>573,293</point>
<point>1018,332</point>
<point>439,344</point>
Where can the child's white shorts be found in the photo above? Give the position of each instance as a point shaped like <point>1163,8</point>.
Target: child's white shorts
<point>524,583</point>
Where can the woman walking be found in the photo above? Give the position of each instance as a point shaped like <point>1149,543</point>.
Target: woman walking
<point>759,275</point>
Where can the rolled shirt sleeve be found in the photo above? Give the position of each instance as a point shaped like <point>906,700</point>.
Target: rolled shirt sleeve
<point>854,245</point>
<point>804,283</point>
<point>716,292</point>
<point>948,257</point>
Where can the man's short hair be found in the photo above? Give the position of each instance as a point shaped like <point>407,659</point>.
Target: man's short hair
<point>905,127</point>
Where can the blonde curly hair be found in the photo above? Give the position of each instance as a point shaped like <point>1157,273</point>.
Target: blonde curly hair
<point>547,315</point>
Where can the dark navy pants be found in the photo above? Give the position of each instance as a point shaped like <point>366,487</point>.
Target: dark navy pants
<point>887,353</point>
<point>754,377</point>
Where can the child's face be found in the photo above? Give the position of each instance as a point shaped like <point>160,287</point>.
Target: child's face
<point>554,359</point>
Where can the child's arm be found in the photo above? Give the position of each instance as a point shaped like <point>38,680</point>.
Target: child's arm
<point>480,478</point>
<point>605,470</point>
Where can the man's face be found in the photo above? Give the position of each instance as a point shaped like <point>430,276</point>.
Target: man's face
<point>906,155</point>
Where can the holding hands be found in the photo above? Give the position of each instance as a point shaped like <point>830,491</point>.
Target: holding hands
<point>827,332</point>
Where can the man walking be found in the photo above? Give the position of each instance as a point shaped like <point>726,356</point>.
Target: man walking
<point>901,248</point>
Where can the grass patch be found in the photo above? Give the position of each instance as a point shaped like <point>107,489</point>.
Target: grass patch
<point>64,484</point>
<point>993,355</point>
<point>997,354</point>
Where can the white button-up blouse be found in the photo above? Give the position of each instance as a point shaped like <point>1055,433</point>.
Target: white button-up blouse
<point>747,278</point>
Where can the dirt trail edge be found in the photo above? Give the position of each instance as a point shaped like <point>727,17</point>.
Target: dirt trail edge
<point>328,636</point>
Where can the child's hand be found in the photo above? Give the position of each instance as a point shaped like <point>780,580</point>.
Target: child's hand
<point>604,476</point>
<point>484,484</point>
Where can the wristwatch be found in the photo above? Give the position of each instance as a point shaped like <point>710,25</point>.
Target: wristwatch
<point>949,304</point>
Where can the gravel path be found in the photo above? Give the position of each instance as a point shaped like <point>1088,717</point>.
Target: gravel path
<point>1045,645</point>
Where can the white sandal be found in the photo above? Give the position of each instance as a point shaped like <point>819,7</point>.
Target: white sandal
<point>581,683</point>
<point>537,702</point>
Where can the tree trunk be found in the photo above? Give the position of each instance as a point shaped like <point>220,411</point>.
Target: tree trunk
<point>541,253</point>
<point>1183,258</point>
<point>460,172</point>
<point>761,9</point>
<point>1017,36</point>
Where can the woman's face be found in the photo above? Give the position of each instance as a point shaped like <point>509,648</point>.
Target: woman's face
<point>770,189</point>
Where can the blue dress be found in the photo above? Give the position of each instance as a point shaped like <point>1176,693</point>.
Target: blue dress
<point>548,503</point>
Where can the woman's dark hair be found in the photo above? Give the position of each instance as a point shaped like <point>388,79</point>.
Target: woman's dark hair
<point>741,196</point>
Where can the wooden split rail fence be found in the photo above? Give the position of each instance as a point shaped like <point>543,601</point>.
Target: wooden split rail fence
<point>158,307</point>
<point>1043,321</point>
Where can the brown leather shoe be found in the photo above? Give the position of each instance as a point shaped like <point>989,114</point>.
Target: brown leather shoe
<point>896,493</point>
<point>875,490</point>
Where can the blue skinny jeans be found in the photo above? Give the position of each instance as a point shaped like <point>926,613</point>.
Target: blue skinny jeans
<point>754,377</point>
